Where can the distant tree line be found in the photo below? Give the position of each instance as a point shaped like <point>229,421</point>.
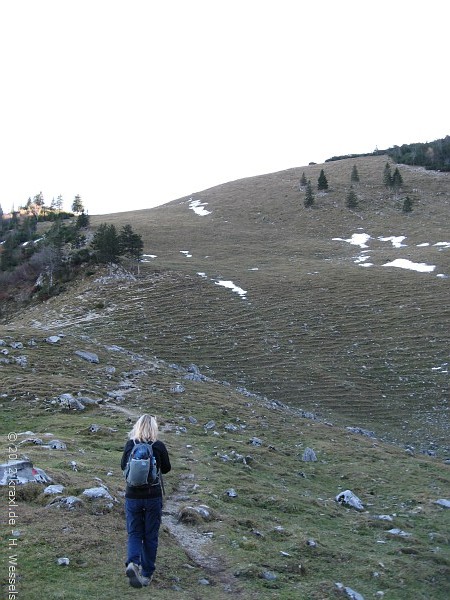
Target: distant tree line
<point>431,155</point>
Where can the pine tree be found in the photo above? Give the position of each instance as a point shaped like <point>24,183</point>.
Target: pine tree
<point>77,205</point>
<point>131,244</point>
<point>354,177</point>
<point>82,220</point>
<point>407,205</point>
<point>106,244</point>
<point>397,180</point>
<point>322,183</point>
<point>303,180</point>
<point>309,196</point>
<point>387,176</point>
<point>352,198</point>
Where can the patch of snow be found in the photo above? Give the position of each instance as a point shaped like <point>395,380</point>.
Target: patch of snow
<point>186,253</point>
<point>202,275</point>
<point>357,239</point>
<point>403,263</point>
<point>396,240</point>
<point>147,256</point>
<point>443,244</point>
<point>198,207</point>
<point>254,269</point>
<point>423,245</point>
<point>443,368</point>
<point>230,285</point>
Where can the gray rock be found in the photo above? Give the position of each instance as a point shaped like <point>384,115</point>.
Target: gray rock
<point>361,431</point>
<point>349,592</point>
<point>231,427</point>
<point>69,502</point>
<point>210,425</point>
<point>256,441</point>
<point>269,576</point>
<point>57,445</point>
<point>194,377</point>
<point>177,388</point>
<point>63,561</point>
<point>89,356</point>
<point>68,401</point>
<point>16,345</point>
<point>53,489</point>
<point>444,503</point>
<point>53,339</point>
<point>21,360</point>
<point>86,400</point>
<point>97,492</point>
<point>309,455</point>
<point>399,532</point>
<point>22,471</point>
<point>348,498</point>
<point>193,420</point>
<point>36,441</point>
<point>231,493</point>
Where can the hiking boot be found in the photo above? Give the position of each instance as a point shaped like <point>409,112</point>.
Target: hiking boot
<point>146,580</point>
<point>132,572</point>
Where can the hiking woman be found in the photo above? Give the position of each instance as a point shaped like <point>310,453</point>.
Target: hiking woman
<point>143,505</point>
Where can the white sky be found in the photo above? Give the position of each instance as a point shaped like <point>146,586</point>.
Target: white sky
<point>132,104</point>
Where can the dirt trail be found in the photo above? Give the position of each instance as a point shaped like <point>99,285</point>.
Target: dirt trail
<point>197,546</point>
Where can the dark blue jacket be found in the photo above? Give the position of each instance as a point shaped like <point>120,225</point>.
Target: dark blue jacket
<point>162,463</point>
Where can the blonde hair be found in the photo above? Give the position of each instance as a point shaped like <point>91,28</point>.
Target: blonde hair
<point>145,429</point>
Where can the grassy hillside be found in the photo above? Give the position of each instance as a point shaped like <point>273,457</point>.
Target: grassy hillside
<point>359,346</point>
<point>316,331</point>
<point>282,536</point>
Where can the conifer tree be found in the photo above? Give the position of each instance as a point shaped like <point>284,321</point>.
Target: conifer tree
<point>322,183</point>
<point>82,220</point>
<point>106,244</point>
<point>354,177</point>
<point>397,180</point>
<point>309,196</point>
<point>352,199</point>
<point>407,205</point>
<point>131,244</point>
<point>303,180</point>
<point>387,175</point>
<point>77,205</point>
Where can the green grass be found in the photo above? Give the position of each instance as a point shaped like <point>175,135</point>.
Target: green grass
<point>355,346</point>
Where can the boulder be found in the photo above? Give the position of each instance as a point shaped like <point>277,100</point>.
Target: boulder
<point>89,356</point>
<point>53,489</point>
<point>348,498</point>
<point>309,455</point>
<point>97,492</point>
<point>22,471</point>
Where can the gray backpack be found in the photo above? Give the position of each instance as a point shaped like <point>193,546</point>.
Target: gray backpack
<point>141,468</point>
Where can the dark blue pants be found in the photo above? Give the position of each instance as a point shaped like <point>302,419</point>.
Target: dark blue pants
<point>143,522</point>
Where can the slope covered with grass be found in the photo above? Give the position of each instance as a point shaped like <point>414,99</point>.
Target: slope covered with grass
<point>273,304</point>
